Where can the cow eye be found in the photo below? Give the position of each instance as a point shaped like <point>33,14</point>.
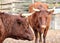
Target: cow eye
<point>19,21</point>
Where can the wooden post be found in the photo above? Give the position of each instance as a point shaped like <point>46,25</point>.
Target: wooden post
<point>12,8</point>
<point>1,5</point>
<point>33,1</point>
<point>55,4</point>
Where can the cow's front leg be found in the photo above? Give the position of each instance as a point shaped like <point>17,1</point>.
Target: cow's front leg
<point>44,35</point>
<point>36,36</point>
<point>44,39</point>
<point>40,39</point>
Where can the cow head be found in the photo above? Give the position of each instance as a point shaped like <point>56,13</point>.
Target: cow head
<point>22,29</point>
<point>44,17</point>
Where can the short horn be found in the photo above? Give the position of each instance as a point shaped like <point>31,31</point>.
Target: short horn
<point>26,15</point>
<point>51,9</point>
<point>36,9</point>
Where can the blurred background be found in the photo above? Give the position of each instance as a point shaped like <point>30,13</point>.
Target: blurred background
<point>21,6</point>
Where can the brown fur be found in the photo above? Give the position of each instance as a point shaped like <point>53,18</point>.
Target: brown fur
<point>37,5</point>
<point>34,21</point>
<point>14,26</point>
<point>39,18</point>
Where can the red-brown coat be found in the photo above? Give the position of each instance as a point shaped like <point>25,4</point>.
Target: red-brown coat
<point>36,5</point>
<point>40,21</point>
<point>14,26</point>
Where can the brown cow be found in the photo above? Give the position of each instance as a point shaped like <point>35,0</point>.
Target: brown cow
<point>40,21</point>
<point>14,26</point>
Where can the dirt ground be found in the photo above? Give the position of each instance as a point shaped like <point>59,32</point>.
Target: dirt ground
<point>53,36</point>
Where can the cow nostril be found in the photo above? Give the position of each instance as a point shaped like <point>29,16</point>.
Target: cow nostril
<point>30,38</point>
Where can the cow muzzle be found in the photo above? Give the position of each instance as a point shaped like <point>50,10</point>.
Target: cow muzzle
<point>43,26</point>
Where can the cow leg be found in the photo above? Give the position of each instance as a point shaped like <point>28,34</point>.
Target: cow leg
<point>40,39</point>
<point>44,35</point>
<point>36,39</point>
<point>36,36</point>
<point>44,38</point>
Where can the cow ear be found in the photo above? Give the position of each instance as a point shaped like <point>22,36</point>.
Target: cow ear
<point>51,12</point>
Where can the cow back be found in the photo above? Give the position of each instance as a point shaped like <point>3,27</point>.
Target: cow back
<point>37,5</point>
